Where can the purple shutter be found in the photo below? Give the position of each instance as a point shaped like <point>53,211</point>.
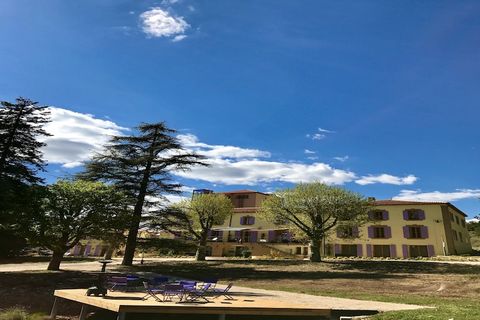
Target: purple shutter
<point>369,250</point>
<point>430,250</point>
<point>393,251</point>
<point>87,250</point>
<point>288,236</point>
<point>253,236</point>
<point>406,232</point>
<point>359,250</point>
<point>370,232</point>
<point>405,215</point>
<point>337,249</point>
<point>220,235</point>
<point>252,220</point>
<point>272,235</point>
<point>405,251</point>
<point>421,215</point>
<point>388,232</point>
<point>385,215</point>
<point>98,250</point>
<point>424,232</point>
<point>355,232</point>
<point>242,220</point>
<point>238,235</point>
<point>76,250</point>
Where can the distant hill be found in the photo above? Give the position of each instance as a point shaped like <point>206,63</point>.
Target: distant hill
<point>474,230</point>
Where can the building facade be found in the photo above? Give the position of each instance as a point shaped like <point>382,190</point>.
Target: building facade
<point>395,229</point>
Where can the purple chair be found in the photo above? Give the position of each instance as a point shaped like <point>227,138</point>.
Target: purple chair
<point>197,295</point>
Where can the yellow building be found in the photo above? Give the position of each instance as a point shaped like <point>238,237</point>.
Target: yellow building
<point>397,229</point>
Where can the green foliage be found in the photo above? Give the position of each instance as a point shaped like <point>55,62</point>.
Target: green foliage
<point>140,165</point>
<point>195,218</point>
<point>21,124</point>
<point>11,243</point>
<point>18,314</point>
<point>73,210</point>
<point>168,246</point>
<point>313,209</point>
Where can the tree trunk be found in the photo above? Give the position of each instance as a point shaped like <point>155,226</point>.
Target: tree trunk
<point>201,250</point>
<point>315,248</point>
<point>131,243</point>
<point>54,263</point>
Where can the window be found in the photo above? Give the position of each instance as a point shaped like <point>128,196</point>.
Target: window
<point>415,232</point>
<point>247,220</point>
<point>381,251</point>
<point>348,250</point>
<point>347,232</point>
<point>418,251</point>
<point>298,250</point>
<point>379,232</point>
<point>414,214</point>
<point>455,235</point>
<point>240,200</point>
<point>378,215</point>
<point>456,220</point>
<point>463,222</point>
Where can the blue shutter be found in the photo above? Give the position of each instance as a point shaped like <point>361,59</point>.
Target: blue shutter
<point>359,250</point>
<point>406,232</point>
<point>385,215</point>
<point>421,215</point>
<point>424,232</point>
<point>388,232</point>
<point>405,251</point>
<point>393,251</point>
<point>431,251</point>
<point>370,232</point>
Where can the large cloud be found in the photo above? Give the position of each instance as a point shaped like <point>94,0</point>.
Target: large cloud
<point>437,196</point>
<point>158,22</point>
<point>387,179</point>
<point>76,136</point>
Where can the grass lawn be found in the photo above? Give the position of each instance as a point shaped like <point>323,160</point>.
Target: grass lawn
<point>454,289</point>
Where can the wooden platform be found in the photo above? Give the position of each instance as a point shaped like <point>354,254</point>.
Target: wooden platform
<point>131,302</point>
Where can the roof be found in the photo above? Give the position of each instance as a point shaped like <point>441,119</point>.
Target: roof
<point>242,191</point>
<point>413,203</point>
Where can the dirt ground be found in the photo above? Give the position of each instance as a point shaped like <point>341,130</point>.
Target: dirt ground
<point>394,281</point>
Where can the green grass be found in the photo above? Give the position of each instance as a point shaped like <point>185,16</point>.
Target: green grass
<point>16,313</point>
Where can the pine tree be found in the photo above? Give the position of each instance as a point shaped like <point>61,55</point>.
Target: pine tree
<point>21,123</point>
<point>141,166</point>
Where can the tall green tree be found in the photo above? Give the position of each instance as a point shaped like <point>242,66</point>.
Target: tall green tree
<point>313,209</point>
<point>70,211</point>
<point>195,218</point>
<point>141,166</point>
<point>21,124</point>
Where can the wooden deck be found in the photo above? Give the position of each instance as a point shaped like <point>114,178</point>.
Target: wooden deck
<point>131,302</point>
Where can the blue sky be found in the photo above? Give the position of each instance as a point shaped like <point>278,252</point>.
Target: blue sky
<point>378,96</point>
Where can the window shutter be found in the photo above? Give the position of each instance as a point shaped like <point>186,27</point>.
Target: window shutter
<point>87,250</point>
<point>288,236</point>
<point>252,220</point>
<point>209,234</point>
<point>406,232</point>
<point>393,251</point>
<point>271,236</point>
<point>405,251</point>
<point>253,236</point>
<point>388,232</point>
<point>338,249</point>
<point>405,215</point>
<point>369,250</point>
<point>421,215</point>
<point>359,250</point>
<point>242,220</point>
<point>238,235</point>
<point>431,251</point>
<point>370,232</point>
<point>424,232</point>
<point>356,232</point>
<point>385,215</point>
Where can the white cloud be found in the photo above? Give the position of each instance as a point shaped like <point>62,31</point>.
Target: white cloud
<point>180,37</point>
<point>341,159</point>
<point>458,194</point>
<point>76,136</point>
<point>254,171</point>
<point>386,179</point>
<point>320,134</point>
<point>325,130</point>
<point>309,151</point>
<point>158,22</point>
<point>191,142</point>
<point>315,136</point>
